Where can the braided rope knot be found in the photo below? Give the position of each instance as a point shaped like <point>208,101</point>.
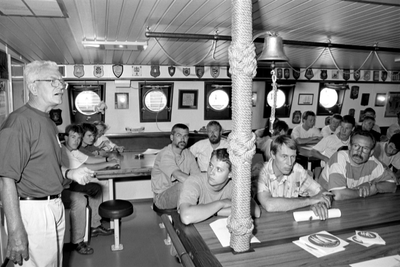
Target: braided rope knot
<point>240,227</point>
<point>241,150</point>
<point>242,59</point>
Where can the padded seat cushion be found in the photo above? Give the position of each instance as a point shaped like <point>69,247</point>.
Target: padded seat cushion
<point>115,209</point>
<point>163,211</point>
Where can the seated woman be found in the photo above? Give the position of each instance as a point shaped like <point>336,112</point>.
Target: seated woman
<point>102,141</point>
<point>206,194</point>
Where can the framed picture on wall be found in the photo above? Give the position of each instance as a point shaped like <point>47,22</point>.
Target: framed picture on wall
<point>306,99</point>
<point>392,104</point>
<point>187,99</point>
<point>380,100</point>
<point>121,100</point>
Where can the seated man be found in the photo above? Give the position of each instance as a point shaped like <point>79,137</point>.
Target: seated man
<point>368,125</point>
<point>172,166</point>
<point>333,127</point>
<point>88,139</point>
<point>356,172</point>
<point>202,149</point>
<point>75,193</point>
<point>282,180</point>
<point>206,194</point>
<point>394,128</point>
<point>388,154</point>
<point>306,133</point>
<point>102,141</point>
<point>331,143</point>
<point>370,112</point>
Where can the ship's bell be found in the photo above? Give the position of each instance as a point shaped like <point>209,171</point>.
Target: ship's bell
<point>273,50</point>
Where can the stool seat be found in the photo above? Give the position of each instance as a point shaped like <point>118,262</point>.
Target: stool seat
<point>163,211</point>
<point>115,209</point>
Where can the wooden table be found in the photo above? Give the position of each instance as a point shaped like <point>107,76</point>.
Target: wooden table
<point>131,165</point>
<point>276,231</point>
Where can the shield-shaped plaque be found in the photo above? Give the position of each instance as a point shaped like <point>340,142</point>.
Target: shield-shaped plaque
<point>367,75</point>
<point>98,71</point>
<point>155,71</point>
<point>79,71</point>
<point>228,71</point>
<point>186,71</point>
<point>171,70</point>
<point>324,74</point>
<point>55,115</point>
<point>354,92</point>
<point>376,76</point>
<point>279,73</point>
<point>214,71</point>
<point>309,73</point>
<point>199,71</point>
<point>357,75</point>
<point>286,73</point>
<point>295,72</point>
<point>384,75</point>
<point>118,69</point>
<point>346,74</point>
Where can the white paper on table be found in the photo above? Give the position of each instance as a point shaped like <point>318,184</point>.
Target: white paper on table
<point>308,215</point>
<point>309,249</point>
<point>151,151</point>
<point>221,231</point>
<point>326,241</point>
<point>370,237</point>
<point>390,261</point>
<point>358,241</point>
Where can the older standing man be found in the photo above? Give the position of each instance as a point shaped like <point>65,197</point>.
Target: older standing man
<point>356,172</point>
<point>31,176</point>
<point>172,167</point>
<point>202,149</point>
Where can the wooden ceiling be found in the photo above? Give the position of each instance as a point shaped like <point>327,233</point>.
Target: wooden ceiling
<point>54,30</point>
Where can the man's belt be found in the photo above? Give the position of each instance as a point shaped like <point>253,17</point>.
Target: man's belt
<point>40,198</point>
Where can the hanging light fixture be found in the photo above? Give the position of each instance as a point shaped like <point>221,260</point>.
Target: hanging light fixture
<point>273,52</point>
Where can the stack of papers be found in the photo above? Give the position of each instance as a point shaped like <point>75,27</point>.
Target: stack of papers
<point>321,244</point>
<point>385,261</point>
<point>308,215</point>
<point>367,238</point>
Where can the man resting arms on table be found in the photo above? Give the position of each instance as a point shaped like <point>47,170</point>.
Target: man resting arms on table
<point>356,172</point>
<point>206,194</point>
<point>282,181</point>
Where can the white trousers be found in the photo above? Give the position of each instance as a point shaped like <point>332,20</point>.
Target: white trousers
<point>44,222</point>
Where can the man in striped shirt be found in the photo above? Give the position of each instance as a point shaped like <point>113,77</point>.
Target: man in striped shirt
<point>356,172</point>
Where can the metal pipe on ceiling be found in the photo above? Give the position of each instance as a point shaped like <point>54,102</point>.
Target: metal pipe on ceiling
<point>261,40</point>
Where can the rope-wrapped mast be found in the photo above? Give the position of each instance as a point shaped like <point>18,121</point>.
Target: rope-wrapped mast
<point>241,141</point>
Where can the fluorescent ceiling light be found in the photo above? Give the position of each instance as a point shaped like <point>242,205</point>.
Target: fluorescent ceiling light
<point>115,45</point>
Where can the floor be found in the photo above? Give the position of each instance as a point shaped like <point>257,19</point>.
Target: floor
<point>143,242</point>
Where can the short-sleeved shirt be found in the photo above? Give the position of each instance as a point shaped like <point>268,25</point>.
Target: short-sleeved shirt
<point>196,190</point>
<point>326,131</point>
<point>394,128</point>
<point>90,150</point>
<point>341,174</point>
<point>297,183</point>
<point>166,163</point>
<point>30,152</point>
<point>300,132</point>
<point>329,145</point>
<point>379,153</point>
<point>202,151</point>
<point>73,159</point>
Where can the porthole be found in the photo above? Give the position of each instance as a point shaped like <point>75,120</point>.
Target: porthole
<point>281,98</point>
<point>218,100</point>
<point>155,100</point>
<point>86,102</point>
<point>328,97</point>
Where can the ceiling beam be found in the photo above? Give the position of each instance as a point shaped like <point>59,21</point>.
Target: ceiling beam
<point>261,40</point>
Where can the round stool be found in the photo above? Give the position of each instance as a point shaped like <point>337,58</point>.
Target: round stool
<point>115,210</point>
<point>163,211</point>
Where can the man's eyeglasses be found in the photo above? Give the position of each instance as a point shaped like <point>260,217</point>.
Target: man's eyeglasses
<point>55,82</point>
<point>363,148</point>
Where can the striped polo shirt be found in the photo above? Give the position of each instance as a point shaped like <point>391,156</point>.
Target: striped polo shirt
<point>340,174</point>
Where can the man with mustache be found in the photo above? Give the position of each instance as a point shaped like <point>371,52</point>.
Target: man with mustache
<point>356,172</point>
<point>282,181</point>
<point>172,166</point>
<point>202,149</point>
